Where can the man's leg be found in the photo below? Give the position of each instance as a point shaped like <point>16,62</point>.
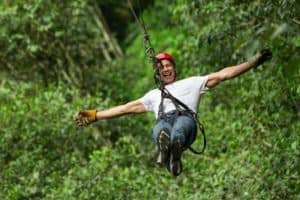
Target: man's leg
<point>183,129</point>
<point>161,136</point>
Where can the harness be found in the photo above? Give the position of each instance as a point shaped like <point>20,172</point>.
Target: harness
<point>181,108</point>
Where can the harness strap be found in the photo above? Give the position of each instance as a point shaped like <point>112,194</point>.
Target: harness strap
<point>166,94</point>
<point>201,127</point>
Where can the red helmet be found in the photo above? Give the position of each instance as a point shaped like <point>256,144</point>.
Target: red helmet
<point>163,56</point>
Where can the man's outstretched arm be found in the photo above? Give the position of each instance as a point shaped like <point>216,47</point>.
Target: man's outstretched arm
<point>85,117</point>
<point>230,72</point>
<point>128,108</point>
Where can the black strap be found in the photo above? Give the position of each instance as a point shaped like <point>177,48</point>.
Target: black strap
<point>177,103</point>
<point>201,127</point>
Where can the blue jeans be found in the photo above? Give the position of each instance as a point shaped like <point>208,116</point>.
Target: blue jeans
<point>180,126</point>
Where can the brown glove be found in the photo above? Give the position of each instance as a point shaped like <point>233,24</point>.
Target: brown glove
<point>261,57</point>
<point>85,117</point>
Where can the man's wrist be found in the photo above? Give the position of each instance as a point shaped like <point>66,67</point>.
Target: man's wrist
<point>253,61</point>
<point>96,118</point>
<point>93,115</point>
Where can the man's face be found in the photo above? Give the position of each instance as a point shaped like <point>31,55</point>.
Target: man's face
<point>167,72</point>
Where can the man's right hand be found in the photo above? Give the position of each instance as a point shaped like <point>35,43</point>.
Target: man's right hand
<point>85,117</point>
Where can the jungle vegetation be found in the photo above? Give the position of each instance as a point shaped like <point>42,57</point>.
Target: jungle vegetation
<point>58,57</point>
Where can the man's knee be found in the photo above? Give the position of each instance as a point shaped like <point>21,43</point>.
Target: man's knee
<point>183,129</point>
<point>162,125</point>
<point>178,133</point>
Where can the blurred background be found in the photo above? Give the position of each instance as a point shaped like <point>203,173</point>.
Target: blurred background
<point>58,57</point>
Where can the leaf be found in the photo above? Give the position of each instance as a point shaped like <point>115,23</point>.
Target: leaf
<point>296,41</point>
<point>280,30</point>
<point>294,145</point>
<point>33,48</point>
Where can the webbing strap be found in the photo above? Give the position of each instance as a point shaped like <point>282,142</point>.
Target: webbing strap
<point>201,127</point>
<point>177,103</point>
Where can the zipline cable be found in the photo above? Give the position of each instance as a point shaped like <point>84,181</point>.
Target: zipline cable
<point>148,47</point>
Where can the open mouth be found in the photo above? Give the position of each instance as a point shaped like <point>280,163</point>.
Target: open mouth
<point>167,74</point>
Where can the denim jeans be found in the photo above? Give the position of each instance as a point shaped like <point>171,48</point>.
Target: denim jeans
<point>180,126</point>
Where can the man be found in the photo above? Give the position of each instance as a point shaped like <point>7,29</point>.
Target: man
<point>176,127</point>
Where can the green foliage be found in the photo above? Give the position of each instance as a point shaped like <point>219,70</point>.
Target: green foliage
<point>53,41</point>
<point>252,122</point>
<point>39,142</point>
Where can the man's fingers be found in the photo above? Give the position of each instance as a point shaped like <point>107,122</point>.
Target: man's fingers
<point>76,116</point>
<point>79,123</point>
<point>83,121</point>
<point>85,117</point>
<point>86,120</point>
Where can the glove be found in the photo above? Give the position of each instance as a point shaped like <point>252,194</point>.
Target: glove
<point>261,57</point>
<point>85,117</point>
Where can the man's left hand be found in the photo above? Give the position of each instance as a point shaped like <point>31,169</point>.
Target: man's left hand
<point>265,55</point>
<point>260,57</point>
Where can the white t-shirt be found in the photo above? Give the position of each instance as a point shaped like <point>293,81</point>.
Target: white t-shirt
<point>188,91</point>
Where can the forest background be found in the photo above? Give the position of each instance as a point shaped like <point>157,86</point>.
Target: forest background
<point>58,57</point>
